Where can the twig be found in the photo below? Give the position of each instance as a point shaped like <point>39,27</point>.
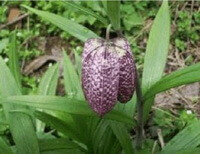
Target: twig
<point>14,21</point>
<point>139,135</point>
<point>160,138</point>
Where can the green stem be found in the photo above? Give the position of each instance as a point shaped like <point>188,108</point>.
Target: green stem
<point>108,32</point>
<point>140,103</point>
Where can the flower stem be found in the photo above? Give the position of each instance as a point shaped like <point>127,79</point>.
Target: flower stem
<point>108,32</point>
<point>139,133</point>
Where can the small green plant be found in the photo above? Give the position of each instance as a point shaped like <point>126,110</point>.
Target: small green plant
<point>67,124</point>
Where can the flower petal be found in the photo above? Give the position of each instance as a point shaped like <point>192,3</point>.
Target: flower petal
<point>127,71</point>
<point>102,73</point>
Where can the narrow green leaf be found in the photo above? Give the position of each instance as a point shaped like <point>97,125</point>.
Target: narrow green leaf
<point>71,79</point>
<point>23,133</point>
<point>3,44</point>
<point>67,105</point>
<point>87,11</point>
<point>56,144</point>
<point>188,138</point>
<point>123,136</point>
<point>73,28</point>
<point>157,48</point>
<point>4,148</point>
<point>113,11</point>
<point>63,151</point>
<point>47,86</point>
<point>99,133</point>
<point>78,63</point>
<point>8,85</point>
<point>156,52</point>
<point>183,76</point>
<point>21,126</point>
<point>111,143</point>
<point>13,59</point>
<point>49,81</point>
<point>59,125</point>
<point>73,88</point>
<point>185,151</point>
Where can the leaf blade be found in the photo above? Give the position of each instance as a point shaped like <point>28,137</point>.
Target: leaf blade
<point>48,83</point>
<point>87,11</point>
<point>73,28</point>
<point>187,75</point>
<point>18,123</point>
<point>13,59</point>
<point>67,105</point>
<point>122,135</point>
<point>4,148</point>
<point>71,79</point>
<point>113,11</point>
<point>186,139</point>
<point>157,48</point>
<point>156,52</point>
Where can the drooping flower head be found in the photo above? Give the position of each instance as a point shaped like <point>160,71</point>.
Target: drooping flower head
<point>108,73</point>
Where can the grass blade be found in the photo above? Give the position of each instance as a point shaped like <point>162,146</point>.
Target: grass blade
<point>71,79</point>
<point>59,125</point>
<point>123,136</point>
<point>49,81</point>
<point>113,11</point>
<point>188,138</point>
<point>63,104</point>
<point>73,88</point>
<point>98,134</point>
<point>21,125</point>
<point>187,75</point>
<point>73,28</point>
<point>47,86</point>
<point>185,151</point>
<point>56,144</point>
<point>156,52</point>
<point>13,59</point>
<point>87,11</point>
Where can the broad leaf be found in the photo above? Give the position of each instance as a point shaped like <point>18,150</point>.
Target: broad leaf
<point>73,28</point>
<point>156,52</point>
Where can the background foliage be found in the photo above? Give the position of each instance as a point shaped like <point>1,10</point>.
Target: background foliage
<point>63,118</point>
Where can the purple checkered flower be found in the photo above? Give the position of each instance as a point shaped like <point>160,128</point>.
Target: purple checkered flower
<point>108,73</point>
